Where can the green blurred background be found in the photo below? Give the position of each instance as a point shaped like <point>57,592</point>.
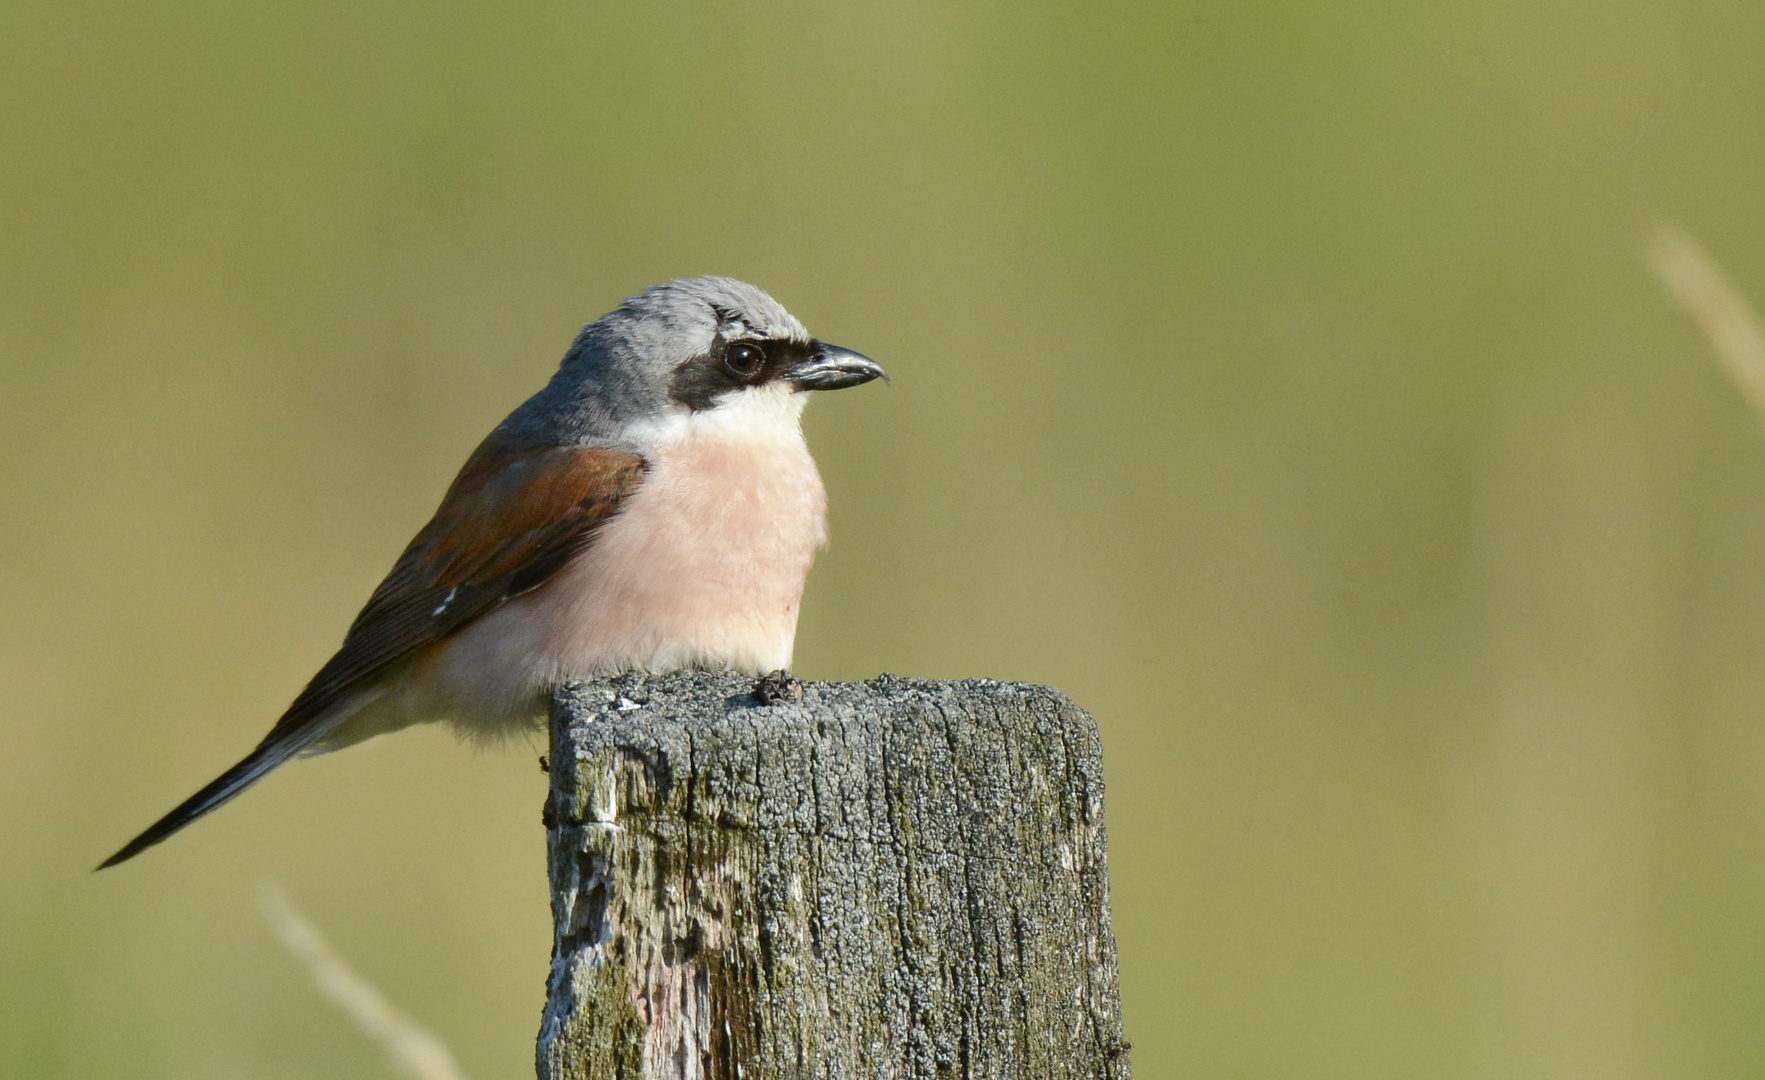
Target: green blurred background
<point>1280,380</point>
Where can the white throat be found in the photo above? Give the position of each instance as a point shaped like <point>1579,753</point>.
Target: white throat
<point>770,414</point>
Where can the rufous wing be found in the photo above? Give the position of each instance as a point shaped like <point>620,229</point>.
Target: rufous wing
<point>511,519</point>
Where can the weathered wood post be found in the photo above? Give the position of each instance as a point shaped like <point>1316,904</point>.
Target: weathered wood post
<point>886,879</point>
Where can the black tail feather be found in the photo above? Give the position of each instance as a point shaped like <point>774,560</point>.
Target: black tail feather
<point>219,791</point>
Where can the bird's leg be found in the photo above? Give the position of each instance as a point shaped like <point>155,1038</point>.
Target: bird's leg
<point>778,687</point>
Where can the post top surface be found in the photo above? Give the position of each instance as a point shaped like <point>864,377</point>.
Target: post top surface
<point>690,697</point>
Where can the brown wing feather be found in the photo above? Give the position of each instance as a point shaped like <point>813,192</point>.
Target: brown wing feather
<point>511,519</point>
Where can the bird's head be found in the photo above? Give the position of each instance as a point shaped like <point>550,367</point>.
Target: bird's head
<point>705,349</point>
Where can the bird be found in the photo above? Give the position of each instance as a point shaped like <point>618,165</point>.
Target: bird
<point>652,508</point>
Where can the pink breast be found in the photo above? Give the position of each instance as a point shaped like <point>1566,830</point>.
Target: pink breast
<point>704,568</point>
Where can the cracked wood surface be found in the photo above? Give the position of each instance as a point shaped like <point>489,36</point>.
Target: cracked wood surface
<point>885,879</point>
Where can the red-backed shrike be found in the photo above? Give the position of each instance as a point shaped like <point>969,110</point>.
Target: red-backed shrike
<point>653,508</point>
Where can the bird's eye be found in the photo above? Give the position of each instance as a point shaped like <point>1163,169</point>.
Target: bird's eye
<point>743,360</point>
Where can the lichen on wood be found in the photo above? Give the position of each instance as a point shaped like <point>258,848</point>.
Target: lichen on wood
<point>885,879</point>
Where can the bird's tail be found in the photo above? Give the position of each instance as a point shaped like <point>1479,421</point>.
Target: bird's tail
<point>269,754</point>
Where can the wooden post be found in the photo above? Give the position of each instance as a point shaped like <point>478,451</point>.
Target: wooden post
<point>885,879</point>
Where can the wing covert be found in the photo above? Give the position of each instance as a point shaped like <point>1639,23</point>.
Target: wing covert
<point>510,520</point>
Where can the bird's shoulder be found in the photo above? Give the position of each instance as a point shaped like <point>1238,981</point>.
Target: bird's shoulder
<point>513,499</point>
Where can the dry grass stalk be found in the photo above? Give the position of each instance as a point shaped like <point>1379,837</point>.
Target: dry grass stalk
<point>1693,279</point>
<point>413,1050</point>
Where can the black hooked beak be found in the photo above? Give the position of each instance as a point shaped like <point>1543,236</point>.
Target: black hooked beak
<point>830,367</point>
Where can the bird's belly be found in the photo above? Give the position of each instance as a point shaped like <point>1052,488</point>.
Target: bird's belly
<point>704,568</point>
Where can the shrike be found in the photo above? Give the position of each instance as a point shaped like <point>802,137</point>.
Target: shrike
<point>653,508</point>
